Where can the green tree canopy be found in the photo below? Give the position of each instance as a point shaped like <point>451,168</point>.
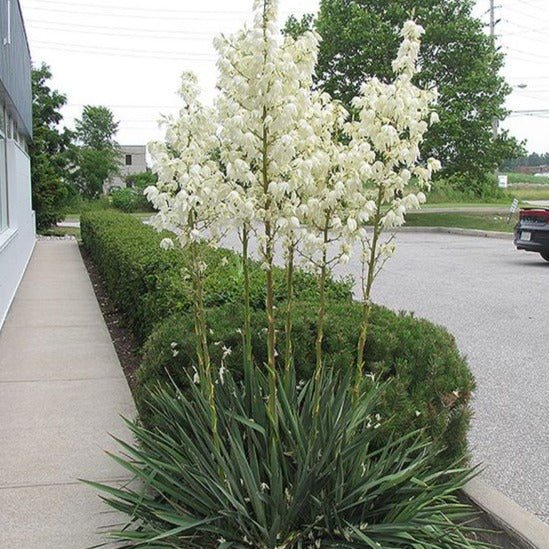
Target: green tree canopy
<point>48,150</point>
<point>359,40</point>
<point>97,128</point>
<point>530,160</point>
<point>98,156</point>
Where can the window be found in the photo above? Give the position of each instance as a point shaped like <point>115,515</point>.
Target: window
<point>128,160</point>
<point>3,173</point>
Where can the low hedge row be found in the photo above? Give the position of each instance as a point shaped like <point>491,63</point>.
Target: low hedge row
<point>430,387</point>
<point>149,284</point>
<point>430,384</point>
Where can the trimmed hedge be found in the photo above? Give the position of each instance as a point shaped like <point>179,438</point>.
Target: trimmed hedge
<point>149,284</point>
<point>431,384</point>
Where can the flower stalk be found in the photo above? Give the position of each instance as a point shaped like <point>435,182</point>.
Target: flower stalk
<point>288,350</point>
<point>321,314</point>
<point>200,326</point>
<point>368,264</point>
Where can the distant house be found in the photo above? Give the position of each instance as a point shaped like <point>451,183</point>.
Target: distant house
<point>133,159</point>
<point>17,225</point>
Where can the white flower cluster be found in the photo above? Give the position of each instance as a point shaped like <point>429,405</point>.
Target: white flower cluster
<point>190,193</point>
<point>386,136</point>
<point>273,152</point>
<point>268,142</point>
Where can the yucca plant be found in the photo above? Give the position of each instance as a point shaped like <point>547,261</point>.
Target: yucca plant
<point>319,481</point>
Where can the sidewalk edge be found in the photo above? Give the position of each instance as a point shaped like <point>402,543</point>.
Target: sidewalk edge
<point>455,230</point>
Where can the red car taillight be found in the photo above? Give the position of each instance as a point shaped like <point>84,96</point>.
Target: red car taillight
<point>535,216</point>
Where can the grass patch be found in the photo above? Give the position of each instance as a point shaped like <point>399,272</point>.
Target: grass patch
<point>72,218</point>
<point>514,178</point>
<point>75,217</point>
<point>468,205</point>
<point>61,231</point>
<point>480,221</point>
<point>530,192</point>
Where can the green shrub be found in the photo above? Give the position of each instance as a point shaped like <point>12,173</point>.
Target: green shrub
<point>79,204</point>
<point>131,198</point>
<point>518,178</point>
<point>126,200</point>
<point>465,188</point>
<point>430,385</point>
<point>313,480</point>
<point>141,180</point>
<point>149,284</point>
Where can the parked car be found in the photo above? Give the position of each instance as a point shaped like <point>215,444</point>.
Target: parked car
<point>532,231</point>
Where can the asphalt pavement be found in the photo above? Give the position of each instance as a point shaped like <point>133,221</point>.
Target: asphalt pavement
<point>494,300</point>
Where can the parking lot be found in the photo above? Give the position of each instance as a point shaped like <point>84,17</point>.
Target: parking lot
<point>495,301</point>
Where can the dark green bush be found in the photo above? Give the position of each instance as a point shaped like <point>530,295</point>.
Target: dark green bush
<point>149,284</point>
<point>316,478</point>
<point>430,382</point>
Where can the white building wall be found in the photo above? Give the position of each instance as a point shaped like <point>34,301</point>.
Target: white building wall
<point>17,241</point>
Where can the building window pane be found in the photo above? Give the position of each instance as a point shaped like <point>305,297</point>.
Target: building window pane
<point>128,160</point>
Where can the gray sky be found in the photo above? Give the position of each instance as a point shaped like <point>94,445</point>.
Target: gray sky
<point>128,55</point>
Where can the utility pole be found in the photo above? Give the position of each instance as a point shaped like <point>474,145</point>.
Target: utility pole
<point>492,19</point>
<point>495,121</point>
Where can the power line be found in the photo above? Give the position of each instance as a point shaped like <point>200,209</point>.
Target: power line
<point>530,111</point>
<point>528,77</point>
<point>195,56</point>
<point>530,54</point>
<point>130,10</point>
<point>529,90</point>
<point>537,8</point>
<point>522,59</point>
<point>126,106</point>
<point>532,39</point>
<point>524,30</point>
<point>85,28</point>
<point>177,35</point>
<point>534,98</point>
<point>136,16</point>
<point>523,14</point>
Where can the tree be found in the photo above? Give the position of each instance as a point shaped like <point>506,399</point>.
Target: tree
<point>48,150</point>
<point>360,38</point>
<point>531,160</point>
<point>98,156</point>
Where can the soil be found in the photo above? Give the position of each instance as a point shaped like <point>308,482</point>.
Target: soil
<point>125,343</point>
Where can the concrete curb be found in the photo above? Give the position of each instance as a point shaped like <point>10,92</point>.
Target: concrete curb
<point>524,530</point>
<point>453,230</point>
<point>439,230</point>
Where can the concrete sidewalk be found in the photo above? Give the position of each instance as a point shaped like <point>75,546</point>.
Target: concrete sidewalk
<point>62,391</point>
